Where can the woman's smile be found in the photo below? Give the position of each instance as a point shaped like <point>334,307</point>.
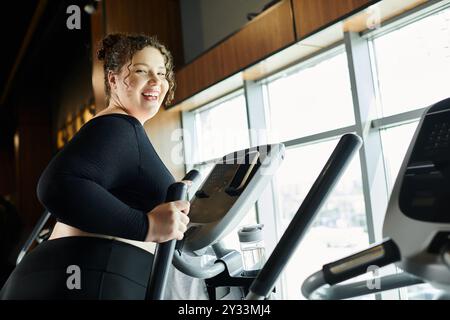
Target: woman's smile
<point>151,94</point>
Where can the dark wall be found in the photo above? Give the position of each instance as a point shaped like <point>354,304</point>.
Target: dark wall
<point>75,88</point>
<point>53,79</point>
<point>7,168</point>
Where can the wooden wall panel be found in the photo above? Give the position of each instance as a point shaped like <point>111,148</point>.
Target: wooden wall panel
<point>311,15</point>
<point>152,17</point>
<point>268,33</point>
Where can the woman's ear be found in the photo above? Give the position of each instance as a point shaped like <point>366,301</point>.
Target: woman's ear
<point>112,79</point>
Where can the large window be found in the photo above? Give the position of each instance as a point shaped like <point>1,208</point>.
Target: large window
<point>413,64</point>
<point>221,129</point>
<point>315,98</point>
<point>339,229</point>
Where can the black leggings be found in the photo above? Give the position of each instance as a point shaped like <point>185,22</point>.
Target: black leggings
<point>108,269</point>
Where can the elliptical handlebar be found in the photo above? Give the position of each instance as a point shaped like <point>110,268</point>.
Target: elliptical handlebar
<point>316,288</point>
<point>33,236</point>
<point>164,252</point>
<point>330,174</point>
<point>324,283</point>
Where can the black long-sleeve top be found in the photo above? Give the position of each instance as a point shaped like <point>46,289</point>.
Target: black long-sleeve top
<point>106,179</point>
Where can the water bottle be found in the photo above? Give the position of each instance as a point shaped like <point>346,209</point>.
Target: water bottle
<point>252,247</point>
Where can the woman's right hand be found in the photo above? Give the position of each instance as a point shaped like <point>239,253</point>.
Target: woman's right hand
<point>168,221</point>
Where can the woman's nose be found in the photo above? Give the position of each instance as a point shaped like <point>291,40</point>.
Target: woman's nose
<point>153,78</point>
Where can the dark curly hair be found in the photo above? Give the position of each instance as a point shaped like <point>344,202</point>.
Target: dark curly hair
<point>117,49</point>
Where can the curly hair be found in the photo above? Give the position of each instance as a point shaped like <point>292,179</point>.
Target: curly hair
<point>118,49</point>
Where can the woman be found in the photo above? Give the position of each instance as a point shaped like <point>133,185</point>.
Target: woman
<point>107,186</point>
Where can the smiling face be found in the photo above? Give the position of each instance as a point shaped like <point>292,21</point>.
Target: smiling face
<point>140,87</point>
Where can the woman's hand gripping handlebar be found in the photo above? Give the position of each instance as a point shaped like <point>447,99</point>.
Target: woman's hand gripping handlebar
<point>174,230</point>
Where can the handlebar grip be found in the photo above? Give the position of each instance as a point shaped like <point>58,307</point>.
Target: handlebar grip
<point>176,191</point>
<point>379,255</point>
<point>164,251</point>
<point>192,175</point>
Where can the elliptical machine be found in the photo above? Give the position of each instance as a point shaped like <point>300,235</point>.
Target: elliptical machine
<point>227,268</point>
<point>416,225</point>
<point>222,201</point>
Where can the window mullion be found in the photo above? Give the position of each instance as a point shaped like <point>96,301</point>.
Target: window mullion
<point>189,139</point>
<point>374,180</point>
<point>257,123</point>
<point>371,155</point>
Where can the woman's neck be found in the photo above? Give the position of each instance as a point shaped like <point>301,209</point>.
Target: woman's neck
<point>114,108</point>
<point>117,109</point>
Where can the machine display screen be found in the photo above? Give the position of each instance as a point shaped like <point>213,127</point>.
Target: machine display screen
<point>222,187</point>
<point>425,190</point>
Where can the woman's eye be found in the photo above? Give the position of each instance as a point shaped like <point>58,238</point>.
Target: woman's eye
<point>140,71</point>
<point>162,74</point>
